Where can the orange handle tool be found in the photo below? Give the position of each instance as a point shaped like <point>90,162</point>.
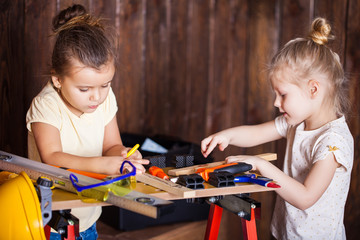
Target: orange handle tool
<point>232,168</point>
<point>89,174</point>
<point>158,172</point>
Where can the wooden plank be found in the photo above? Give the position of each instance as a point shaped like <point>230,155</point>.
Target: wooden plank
<point>166,185</point>
<point>210,191</point>
<point>129,84</point>
<point>62,4</point>
<point>38,45</point>
<point>197,69</point>
<point>335,13</point>
<point>218,83</point>
<point>263,41</point>
<point>12,113</point>
<point>238,54</point>
<point>294,20</point>
<point>156,54</point>
<point>352,66</point>
<point>178,87</point>
<point>193,169</point>
<point>64,199</point>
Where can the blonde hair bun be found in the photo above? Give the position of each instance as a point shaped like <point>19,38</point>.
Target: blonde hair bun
<point>320,31</point>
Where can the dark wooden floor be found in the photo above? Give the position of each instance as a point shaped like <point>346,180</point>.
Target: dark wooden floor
<point>178,231</point>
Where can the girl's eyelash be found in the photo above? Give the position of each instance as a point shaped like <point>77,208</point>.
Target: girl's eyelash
<point>106,85</point>
<point>86,89</point>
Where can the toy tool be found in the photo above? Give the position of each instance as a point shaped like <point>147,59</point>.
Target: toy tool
<point>158,172</point>
<point>132,150</point>
<point>132,178</point>
<point>251,178</point>
<point>233,168</point>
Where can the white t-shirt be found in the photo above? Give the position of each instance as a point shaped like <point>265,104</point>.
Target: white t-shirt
<point>323,220</point>
<point>82,136</point>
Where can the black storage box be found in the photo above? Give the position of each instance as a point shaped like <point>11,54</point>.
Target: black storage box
<point>184,210</point>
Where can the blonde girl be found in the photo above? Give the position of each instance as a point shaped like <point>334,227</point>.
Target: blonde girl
<point>311,95</point>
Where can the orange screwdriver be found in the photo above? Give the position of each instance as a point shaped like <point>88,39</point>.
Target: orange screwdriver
<point>158,172</point>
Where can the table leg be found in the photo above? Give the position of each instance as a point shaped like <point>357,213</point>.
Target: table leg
<point>249,227</point>
<point>213,224</point>
<point>47,230</point>
<point>70,230</point>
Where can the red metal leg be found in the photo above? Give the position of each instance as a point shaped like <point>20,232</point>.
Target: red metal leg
<point>213,224</point>
<point>249,227</point>
<point>71,232</point>
<point>70,229</point>
<point>47,230</point>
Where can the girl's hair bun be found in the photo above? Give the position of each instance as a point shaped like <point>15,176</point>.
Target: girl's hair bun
<point>320,31</point>
<point>66,15</point>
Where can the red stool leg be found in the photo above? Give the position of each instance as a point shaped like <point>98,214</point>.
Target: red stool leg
<point>213,224</point>
<point>71,232</point>
<point>249,227</point>
<point>47,231</point>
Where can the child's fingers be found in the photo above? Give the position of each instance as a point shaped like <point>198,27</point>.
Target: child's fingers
<point>135,155</point>
<point>209,147</point>
<point>123,152</point>
<point>138,164</point>
<point>222,146</point>
<point>231,159</point>
<point>140,168</point>
<point>141,161</point>
<point>204,144</point>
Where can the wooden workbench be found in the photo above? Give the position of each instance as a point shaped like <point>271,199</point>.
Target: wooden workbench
<point>67,200</point>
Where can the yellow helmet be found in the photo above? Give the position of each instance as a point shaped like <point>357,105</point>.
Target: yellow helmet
<point>20,210</point>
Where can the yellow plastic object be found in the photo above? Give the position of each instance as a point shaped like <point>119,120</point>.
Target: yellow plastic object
<point>20,213</point>
<point>5,176</point>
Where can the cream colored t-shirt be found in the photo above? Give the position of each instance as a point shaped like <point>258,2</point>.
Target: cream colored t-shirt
<point>323,220</point>
<point>82,136</point>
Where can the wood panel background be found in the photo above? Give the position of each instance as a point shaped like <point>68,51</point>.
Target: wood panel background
<point>186,68</point>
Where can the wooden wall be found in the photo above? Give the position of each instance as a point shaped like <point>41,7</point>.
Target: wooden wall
<point>186,68</point>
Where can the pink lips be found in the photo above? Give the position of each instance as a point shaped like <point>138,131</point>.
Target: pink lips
<point>93,106</point>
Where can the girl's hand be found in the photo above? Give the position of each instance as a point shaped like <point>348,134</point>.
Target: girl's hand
<point>253,160</point>
<point>112,165</point>
<point>209,143</point>
<point>135,155</point>
<point>136,159</point>
<point>138,163</point>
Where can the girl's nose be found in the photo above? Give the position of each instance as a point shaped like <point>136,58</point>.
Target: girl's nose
<point>277,102</point>
<point>95,96</point>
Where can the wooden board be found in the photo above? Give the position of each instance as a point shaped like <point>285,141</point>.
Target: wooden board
<point>166,185</point>
<point>182,192</point>
<point>192,169</point>
<point>66,200</point>
<point>164,189</point>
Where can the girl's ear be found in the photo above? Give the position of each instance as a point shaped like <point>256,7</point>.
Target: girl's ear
<point>56,82</point>
<point>313,88</point>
